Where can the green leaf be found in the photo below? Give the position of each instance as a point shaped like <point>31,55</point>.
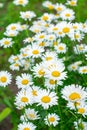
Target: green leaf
<point>5,113</point>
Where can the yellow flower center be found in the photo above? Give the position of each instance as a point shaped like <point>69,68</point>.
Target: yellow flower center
<point>80,48</point>
<point>76,36</point>
<point>55,29</point>
<point>41,72</point>
<point>52,81</point>
<point>25,81</point>
<point>55,73</point>
<point>72,3</point>
<point>26,128</point>
<point>15,59</point>
<point>67,15</point>
<point>6,42</point>
<point>51,119</point>
<point>81,110</point>
<point>35,52</point>
<point>13,28</point>
<point>84,70</point>
<point>50,7</point>
<point>36,30</point>
<point>61,48</point>
<point>74,96</point>
<point>48,58</point>
<point>24,99</point>
<point>45,18</point>
<point>55,43</point>
<point>41,43</point>
<point>73,67</point>
<point>3,79</point>
<point>31,115</point>
<point>66,30</point>
<point>41,36</point>
<point>75,27</point>
<point>59,9</point>
<point>16,65</point>
<point>34,93</point>
<point>21,1</point>
<point>45,99</point>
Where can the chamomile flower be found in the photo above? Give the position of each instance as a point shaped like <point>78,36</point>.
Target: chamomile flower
<point>11,33</point>
<point>5,78</point>
<point>51,83</point>
<point>6,42</point>
<point>22,99</point>
<point>48,4</point>
<point>66,28</point>
<point>73,67</point>
<point>28,15</point>
<point>74,105</point>
<point>13,27</point>
<point>38,70</point>
<point>52,119</point>
<point>67,14</point>
<point>47,17</point>
<point>26,126</point>
<point>79,48</point>
<point>35,51</point>
<point>47,99</point>
<point>23,81</point>
<point>59,7</point>
<point>76,36</point>
<point>81,124</point>
<point>15,66</point>
<point>20,2</point>
<point>56,72</point>
<point>82,109</point>
<point>49,56</point>
<point>61,48</point>
<point>31,114</point>
<point>82,70</point>
<point>13,58</point>
<point>72,2</point>
<point>74,93</point>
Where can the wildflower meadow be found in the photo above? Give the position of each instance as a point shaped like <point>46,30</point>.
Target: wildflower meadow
<point>43,65</point>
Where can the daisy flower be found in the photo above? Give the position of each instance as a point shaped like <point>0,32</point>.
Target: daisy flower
<point>13,27</point>
<point>72,2</point>
<point>55,71</point>
<point>5,78</point>
<point>31,114</point>
<point>28,15</point>
<point>82,109</point>
<point>38,70</point>
<point>11,33</point>
<point>59,7</point>
<point>47,99</point>
<point>82,125</point>
<point>35,51</point>
<point>22,99</point>
<point>24,81</point>
<point>48,4</point>
<point>74,93</point>
<point>61,48</point>
<point>6,42</point>
<point>26,126</point>
<point>82,70</point>
<point>20,2</point>
<point>52,119</point>
<point>51,83</point>
<point>67,14</point>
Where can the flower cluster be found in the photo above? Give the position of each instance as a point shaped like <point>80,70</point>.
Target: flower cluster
<point>49,60</point>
